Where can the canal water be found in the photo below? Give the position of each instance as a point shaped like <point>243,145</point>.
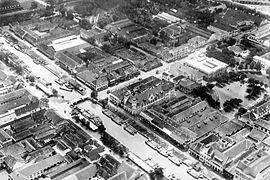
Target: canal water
<point>136,144</point>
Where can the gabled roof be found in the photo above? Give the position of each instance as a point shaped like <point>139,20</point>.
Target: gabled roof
<point>41,165</point>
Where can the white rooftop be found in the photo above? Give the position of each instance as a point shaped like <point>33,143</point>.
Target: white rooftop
<point>167,17</point>
<point>206,65</point>
<point>67,42</point>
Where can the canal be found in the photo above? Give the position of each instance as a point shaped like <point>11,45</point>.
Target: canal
<point>136,144</point>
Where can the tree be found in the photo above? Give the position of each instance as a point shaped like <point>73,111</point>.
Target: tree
<point>241,66</point>
<point>252,65</point>
<point>210,86</point>
<point>51,2</point>
<point>258,66</point>
<point>31,79</point>
<point>153,41</point>
<point>91,41</point>
<point>70,15</point>
<point>107,48</point>
<point>104,103</point>
<point>94,94</point>
<point>54,92</point>
<point>19,70</point>
<point>268,71</point>
<point>163,36</point>
<point>241,111</point>
<point>101,129</point>
<point>34,5</point>
<point>85,24</point>
<point>103,22</point>
<point>106,37</point>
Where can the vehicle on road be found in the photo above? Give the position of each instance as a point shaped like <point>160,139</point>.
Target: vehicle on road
<point>69,86</point>
<point>60,82</point>
<point>66,89</point>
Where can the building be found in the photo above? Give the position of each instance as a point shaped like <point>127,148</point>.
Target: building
<point>173,30</point>
<point>142,94</point>
<point>254,167</point>
<point>264,60</point>
<point>5,138</point>
<point>219,153</point>
<point>38,169</point>
<point>181,69</point>
<point>9,6</point>
<point>197,41</point>
<point>92,80</point>
<point>96,33</point>
<point>69,62</point>
<point>262,108</point>
<point>179,52</point>
<point>253,2</point>
<point>167,76</point>
<point>210,67</point>
<point>2,158</point>
<point>14,99</point>
<point>200,32</point>
<point>167,17</point>
<point>186,85</point>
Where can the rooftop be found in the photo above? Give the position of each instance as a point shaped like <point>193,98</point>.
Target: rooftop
<point>41,165</point>
<point>255,164</point>
<point>206,65</point>
<point>144,91</point>
<point>167,17</point>
<point>3,76</point>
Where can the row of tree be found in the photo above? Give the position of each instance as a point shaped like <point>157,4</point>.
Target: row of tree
<point>113,144</point>
<point>231,104</point>
<point>204,93</point>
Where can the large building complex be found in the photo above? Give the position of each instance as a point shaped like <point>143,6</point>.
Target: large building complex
<point>143,94</point>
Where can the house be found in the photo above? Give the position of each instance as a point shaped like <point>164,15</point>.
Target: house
<point>9,162</point>
<point>236,49</point>
<point>5,138</point>
<point>38,169</point>
<point>2,158</point>
<point>44,152</point>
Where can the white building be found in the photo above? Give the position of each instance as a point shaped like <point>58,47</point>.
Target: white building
<point>264,60</point>
<point>211,67</point>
